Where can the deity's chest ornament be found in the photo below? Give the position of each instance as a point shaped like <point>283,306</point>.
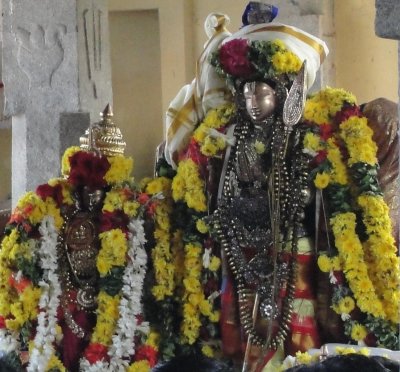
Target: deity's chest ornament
<point>259,220</point>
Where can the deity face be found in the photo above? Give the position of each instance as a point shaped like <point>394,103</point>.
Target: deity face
<point>260,100</point>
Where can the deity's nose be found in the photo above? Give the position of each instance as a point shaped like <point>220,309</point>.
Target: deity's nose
<point>253,101</point>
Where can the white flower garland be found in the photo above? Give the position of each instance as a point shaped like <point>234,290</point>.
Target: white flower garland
<point>49,300</point>
<point>123,346</point>
<point>8,342</point>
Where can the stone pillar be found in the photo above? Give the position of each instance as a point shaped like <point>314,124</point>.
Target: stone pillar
<point>387,22</point>
<point>56,72</point>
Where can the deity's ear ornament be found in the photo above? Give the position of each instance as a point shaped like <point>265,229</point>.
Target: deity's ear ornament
<point>104,137</point>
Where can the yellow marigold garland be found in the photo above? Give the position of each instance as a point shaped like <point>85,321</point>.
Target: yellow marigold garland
<point>188,186</point>
<point>194,302</point>
<point>371,268</point>
<point>322,106</point>
<point>206,135</point>
<point>164,267</point>
<point>351,253</point>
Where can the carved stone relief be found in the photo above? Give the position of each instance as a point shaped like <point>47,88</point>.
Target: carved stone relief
<point>92,19</point>
<point>40,52</point>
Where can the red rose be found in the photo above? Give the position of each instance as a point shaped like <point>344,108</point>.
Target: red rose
<point>2,322</point>
<point>96,352</point>
<point>146,352</point>
<point>54,192</point>
<point>88,169</point>
<point>233,56</point>
<point>114,220</point>
<point>346,112</point>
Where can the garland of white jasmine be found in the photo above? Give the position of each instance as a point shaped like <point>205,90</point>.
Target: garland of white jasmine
<point>49,300</point>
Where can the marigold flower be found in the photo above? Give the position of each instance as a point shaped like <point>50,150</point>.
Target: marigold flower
<point>321,180</point>
<point>358,332</point>
<point>208,351</point>
<point>324,263</point>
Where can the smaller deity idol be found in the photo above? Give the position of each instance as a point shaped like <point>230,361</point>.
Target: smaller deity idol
<point>72,265</point>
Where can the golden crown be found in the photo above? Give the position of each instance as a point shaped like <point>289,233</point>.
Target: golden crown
<point>104,136</point>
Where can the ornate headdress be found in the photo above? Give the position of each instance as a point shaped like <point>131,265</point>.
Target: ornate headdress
<point>269,51</point>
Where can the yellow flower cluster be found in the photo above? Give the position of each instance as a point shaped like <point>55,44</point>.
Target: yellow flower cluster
<point>304,358</point>
<point>201,226</point>
<point>65,165</point>
<point>159,185</point>
<point>259,147</point>
<point>208,351</point>
<point>286,61</point>
<point>321,180</point>
<point>163,261</point>
<point>327,264</point>
<point>120,169</point>
<point>112,252</point>
<point>338,172</point>
<point>121,199</point>
<point>345,305</point>
<point>381,253</point>
<point>321,107</point>
<point>187,185</point>
<point>215,119</point>
<point>358,332</point>
<point>7,295</point>
<point>107,318</point>
<point>55,364</point>
<point>24,308</point>
<point>341,350</point>
<point>31,207</point>
<point>153,339</point>
<point>194,301</point>
<point>312,142</point>
<point>357,135</point>
<point>65,189</point>
<point>351,254</point>
<point>139,366</point>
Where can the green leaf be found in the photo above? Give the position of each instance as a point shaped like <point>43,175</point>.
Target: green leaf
<point>112,283</point>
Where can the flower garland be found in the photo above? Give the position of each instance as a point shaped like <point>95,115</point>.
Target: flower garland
<point>161,253</point>
<point>257,60</point>
<point>346,169</point>
<point>185,264</point>
<point>208,134</point>
<point>28,285</point>
<point>49,300</point>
